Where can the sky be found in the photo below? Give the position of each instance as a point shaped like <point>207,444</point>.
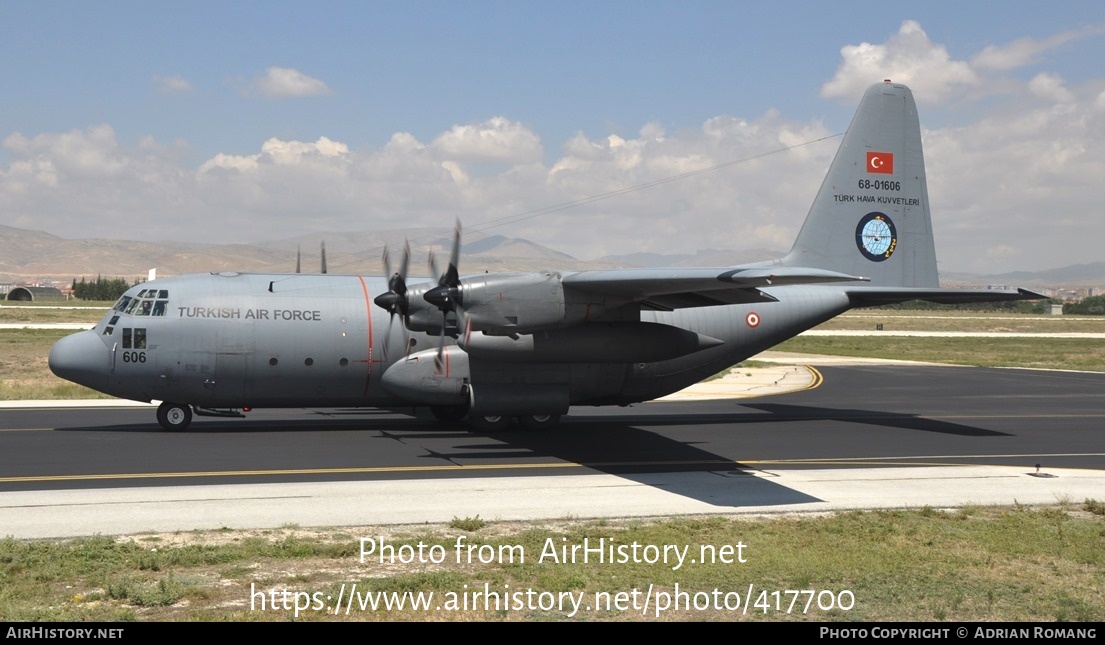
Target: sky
<point>593,128</point>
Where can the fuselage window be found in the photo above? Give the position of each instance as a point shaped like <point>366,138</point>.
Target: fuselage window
<point>140,338</point>
<point>127,335</point>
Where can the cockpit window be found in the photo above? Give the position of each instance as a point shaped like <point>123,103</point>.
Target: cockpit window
<point>144,303</point>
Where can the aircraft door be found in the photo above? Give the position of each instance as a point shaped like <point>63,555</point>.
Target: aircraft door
<point>228,382</point>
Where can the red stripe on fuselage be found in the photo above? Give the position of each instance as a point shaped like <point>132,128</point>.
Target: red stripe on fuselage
<point>368,317</point>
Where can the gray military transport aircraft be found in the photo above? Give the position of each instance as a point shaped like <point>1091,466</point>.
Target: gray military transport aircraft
<point>493,348</point>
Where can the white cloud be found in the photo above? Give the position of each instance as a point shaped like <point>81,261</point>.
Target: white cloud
<point>495,140</point>
<point>1050,87</point>
<point>911,57</point>
<point>172,84</point>
<point>276,151</point>
<point>281,82</point>
<point>1025,51</point>
<point>908,57</point>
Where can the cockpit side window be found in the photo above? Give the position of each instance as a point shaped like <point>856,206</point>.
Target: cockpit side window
<point>134,338</point>
<point>121,304</point>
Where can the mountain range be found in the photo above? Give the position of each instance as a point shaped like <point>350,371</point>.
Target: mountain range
<point>36,256</point>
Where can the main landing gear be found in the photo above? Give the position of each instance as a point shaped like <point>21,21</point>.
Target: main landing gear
<point>174,416</point>
<point>528,422</point>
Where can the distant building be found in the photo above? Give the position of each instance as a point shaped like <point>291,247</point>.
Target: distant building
<point>35,294</point>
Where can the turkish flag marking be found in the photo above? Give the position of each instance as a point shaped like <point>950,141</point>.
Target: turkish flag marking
<point>881,162</point>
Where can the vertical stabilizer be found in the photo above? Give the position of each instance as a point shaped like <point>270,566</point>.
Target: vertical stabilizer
<point>871,215</point>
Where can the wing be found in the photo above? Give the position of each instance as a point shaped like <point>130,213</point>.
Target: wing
<point>675,288</point>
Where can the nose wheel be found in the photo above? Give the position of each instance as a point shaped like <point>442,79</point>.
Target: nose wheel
<point>174,416</point>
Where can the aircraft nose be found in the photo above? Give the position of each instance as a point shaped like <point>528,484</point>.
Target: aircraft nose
<point>81,358</point>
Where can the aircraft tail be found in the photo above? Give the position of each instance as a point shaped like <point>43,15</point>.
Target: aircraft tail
<point>871,216</point>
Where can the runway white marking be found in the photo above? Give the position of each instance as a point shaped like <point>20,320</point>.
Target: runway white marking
<point>182,508</point>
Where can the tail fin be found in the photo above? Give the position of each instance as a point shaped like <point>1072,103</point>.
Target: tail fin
<point>871,215</point>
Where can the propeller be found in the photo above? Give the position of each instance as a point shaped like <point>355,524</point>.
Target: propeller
<point>447,295</point>
<point>395,301</point>
<point>323,254</point>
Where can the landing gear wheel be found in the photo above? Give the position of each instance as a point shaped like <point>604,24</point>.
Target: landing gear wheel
<point>174,416</point>
<point>539,421</point>
<point>449,413</point>
<point>490,423</point>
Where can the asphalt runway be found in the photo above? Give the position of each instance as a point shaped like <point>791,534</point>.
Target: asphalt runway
<point>866,436</point>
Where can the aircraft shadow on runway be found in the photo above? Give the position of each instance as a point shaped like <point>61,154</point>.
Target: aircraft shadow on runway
<point>624,445</point>
<point>781,413</point>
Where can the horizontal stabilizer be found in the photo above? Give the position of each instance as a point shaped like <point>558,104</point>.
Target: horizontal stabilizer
<point>872,296</point>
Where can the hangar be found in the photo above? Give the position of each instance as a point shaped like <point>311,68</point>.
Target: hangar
<point>29,294</point>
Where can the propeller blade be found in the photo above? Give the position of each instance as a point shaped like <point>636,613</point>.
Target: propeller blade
<point>439,360</point>
<point>323,257</point>
<point>451,277</point>
<point>406,263</point>
<point>298,257</point>
<point>432,263</point>
<point>387,338</point>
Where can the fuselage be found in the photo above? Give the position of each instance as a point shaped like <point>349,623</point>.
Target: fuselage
<point>240,340</point>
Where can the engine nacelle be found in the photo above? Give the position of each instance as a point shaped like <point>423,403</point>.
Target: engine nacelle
<point>606,342</point>
<point>422,379</point>
<point>502,304</point>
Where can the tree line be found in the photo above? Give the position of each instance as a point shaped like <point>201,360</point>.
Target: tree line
<point>1091,306</point>
<point>101,289</point>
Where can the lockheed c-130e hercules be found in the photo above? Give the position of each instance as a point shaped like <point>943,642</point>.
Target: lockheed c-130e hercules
<point>494,348</point>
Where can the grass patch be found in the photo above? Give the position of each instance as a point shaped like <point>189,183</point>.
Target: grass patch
<point>467,523</point>
<point>976,564</point>
<point>1086,354</point>
<point>1094,506</point>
